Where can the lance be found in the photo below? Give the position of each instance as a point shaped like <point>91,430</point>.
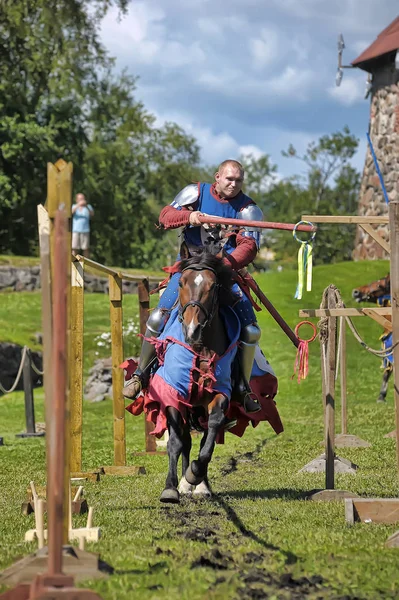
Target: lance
<point>260,224</point>
<point>251,283</point>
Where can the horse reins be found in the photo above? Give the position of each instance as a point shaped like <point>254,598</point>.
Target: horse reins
<point>208,314</point>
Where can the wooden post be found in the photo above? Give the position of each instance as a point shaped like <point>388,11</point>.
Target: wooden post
<point>28,392</point>
<point>116,316</point>
<point>47,319</point>
<point>144,306</point>
<point>330,394</point>
<point>76,364</point>
<point>394,243</point>
<point>342,362</point>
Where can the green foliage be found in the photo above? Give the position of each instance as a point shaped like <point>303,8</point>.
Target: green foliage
<point>257,537</point>
<point>59,97</point>
<point>329,187</point>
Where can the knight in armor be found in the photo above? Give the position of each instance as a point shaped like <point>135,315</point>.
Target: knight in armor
<point>223,198</point>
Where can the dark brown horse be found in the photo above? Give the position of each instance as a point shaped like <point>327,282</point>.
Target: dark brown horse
<point>204,279</point>
<point>379,292</point>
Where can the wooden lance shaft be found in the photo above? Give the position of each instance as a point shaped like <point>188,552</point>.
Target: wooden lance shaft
<point>259,224</point>
<point>251,283</point>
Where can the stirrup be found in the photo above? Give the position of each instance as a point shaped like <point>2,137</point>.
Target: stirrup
<point>133,388</point>
<point>249,404</point>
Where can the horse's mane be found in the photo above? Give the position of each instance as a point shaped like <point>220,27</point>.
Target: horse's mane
<point>205,259</point>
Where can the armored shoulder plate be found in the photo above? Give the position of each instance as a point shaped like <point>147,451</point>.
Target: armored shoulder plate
<point>252,212</point>
<point>186,196</point>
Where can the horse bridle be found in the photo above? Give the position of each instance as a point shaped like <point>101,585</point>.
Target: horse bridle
<point>208,314</point>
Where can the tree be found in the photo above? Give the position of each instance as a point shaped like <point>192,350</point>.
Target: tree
<point>60,98</point>
<point>330,187</point>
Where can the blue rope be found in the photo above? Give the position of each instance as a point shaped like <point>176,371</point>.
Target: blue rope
<point>378,169</point>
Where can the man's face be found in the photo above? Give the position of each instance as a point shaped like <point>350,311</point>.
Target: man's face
<point>80,199</point>
<point>229,181</point>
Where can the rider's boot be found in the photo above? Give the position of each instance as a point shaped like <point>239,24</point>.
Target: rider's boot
<point>155,325</point>
<point>249,338</point>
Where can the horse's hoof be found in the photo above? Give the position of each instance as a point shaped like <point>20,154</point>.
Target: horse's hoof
<point>185,488</point>
<point>202,490</point>
<point>170,495</point>
<point>192,478</point>
<point>381,400</point>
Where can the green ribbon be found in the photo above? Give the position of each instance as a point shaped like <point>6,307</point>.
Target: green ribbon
<point>305,265</point>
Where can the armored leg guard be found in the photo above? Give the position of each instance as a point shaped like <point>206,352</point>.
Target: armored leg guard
<point>155,325</point>
<point>249,338</point>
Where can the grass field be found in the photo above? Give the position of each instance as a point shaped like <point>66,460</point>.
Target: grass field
<point>258,537</point>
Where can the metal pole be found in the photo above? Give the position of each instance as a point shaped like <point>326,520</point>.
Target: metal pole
<point>28,391</point>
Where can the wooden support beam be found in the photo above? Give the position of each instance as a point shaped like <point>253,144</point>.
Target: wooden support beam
<point>76,364</point>
<point>376,236</point>
<point>349,219</point>
<point>380,319</point>
<point>116,317</point>
<point>343,312</point>
<point>95,267</point>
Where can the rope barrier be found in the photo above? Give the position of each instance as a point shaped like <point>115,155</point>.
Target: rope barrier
<point>20,369</point>
<point>323,326</point>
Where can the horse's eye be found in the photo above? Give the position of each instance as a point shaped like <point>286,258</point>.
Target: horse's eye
<point>180,284</point>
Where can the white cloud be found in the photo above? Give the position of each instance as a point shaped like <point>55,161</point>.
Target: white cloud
<point>264,49</point>
<point>351,91</point>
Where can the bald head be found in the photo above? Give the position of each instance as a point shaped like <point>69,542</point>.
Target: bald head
<point>229,178</point>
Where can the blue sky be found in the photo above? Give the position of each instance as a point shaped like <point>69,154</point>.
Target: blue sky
<point>250,75</point>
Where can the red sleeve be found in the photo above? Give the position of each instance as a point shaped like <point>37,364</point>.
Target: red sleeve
<point>172,218</point>
<point>244,254</point>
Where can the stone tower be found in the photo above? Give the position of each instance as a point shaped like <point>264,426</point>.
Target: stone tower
<point>381,60</point>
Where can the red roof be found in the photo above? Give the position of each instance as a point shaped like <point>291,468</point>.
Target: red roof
<point>387,41</point>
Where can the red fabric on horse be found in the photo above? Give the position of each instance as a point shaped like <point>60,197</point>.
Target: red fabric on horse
<point>155,400</point>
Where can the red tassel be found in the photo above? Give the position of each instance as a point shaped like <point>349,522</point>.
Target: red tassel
<point>302,356</point>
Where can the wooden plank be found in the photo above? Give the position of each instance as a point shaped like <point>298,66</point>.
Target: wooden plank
<point>394,239</point>
<point>95,267</point>
<point>76,364</point>
<point>386,323</point>
<point>376,236</point>
<point>124,471</point>
<point>343,312</point>
<point>349,513</point>
<point>376,510</point>
<point>116,317</point>
<point>345,219</point>
<point>330,394</point>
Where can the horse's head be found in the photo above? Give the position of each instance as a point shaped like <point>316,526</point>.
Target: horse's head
<point>203,277</point>
<point>373,291</point>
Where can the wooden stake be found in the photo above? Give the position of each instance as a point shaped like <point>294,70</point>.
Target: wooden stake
<point>116,317</point>
<point>40,523</point>
<point>330,394</point>
<point>76,364</point>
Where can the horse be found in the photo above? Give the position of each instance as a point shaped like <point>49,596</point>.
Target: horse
<point>379,292</point>
<point>192,387</point>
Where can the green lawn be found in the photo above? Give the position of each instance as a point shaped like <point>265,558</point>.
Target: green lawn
<point>258,537</point>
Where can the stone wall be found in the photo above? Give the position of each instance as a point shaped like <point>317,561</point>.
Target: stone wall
<point>27,279</point>
<point>384,129</point>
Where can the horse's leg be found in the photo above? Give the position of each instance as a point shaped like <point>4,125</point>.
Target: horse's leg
<point>203,489</point>
<point>175,446</point>
<point>384,386</point>
<point>185,487</point>
<point>197,471</point>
